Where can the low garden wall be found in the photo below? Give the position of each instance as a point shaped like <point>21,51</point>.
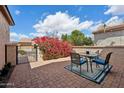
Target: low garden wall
<point>118,51</point>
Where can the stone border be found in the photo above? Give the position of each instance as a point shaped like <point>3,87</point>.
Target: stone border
<point>42,62</point>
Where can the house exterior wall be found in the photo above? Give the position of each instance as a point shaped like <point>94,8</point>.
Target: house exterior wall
<point>4,38</point>
<point>109,38</point>
<point>11,54</point>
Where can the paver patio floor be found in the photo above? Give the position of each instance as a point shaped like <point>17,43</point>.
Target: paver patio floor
<point>54,75</point>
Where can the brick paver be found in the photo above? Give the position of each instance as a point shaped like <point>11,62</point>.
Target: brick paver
<point>54,75</point>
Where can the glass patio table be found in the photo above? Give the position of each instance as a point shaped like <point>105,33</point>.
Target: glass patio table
<point>90,56</point>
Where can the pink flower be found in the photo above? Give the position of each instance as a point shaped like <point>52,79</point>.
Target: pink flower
<point>53,47</point>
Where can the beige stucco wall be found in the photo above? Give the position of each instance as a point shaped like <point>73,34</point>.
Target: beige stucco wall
<point>117,56</point>
<point>109,38</point>
<point>11,54</point>
<point>4,38</point>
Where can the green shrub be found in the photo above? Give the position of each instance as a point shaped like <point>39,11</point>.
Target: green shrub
<point>9,65</point>
<point>35,45</point>
<point>22,52</point>
<point>6,69</point>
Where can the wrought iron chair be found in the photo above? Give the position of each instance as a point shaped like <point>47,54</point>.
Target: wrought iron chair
<point>101,61</point>
<point>79,61</point>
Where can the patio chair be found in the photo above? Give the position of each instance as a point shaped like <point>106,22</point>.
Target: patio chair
<point>101,61</point>
<point>98,53</point>
<point>77,60</point>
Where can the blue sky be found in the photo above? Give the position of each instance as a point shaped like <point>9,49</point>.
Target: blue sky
<point>32,21</point>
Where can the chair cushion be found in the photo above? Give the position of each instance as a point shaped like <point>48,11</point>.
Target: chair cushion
<point>82,61</point>
<point>98,57</point>
<point>99,61</point>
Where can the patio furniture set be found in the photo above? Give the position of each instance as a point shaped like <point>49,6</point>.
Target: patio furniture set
<point>89,58</point>
<point>82,62</point>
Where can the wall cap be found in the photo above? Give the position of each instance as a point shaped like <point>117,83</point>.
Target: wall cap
<point>11,44</point>
<point>119,46</point>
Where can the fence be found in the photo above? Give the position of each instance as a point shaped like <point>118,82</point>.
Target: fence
<point>27,54</point>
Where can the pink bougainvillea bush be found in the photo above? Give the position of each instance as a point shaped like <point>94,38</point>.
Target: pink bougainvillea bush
<point>53,48</point>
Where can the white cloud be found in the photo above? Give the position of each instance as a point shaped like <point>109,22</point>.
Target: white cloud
<point>17,12</point>
<point>22,36</point>
<point>114,21</point>
<point>15,37</point>
<point>95,27</point>
<point>85,25</point>
<point>110,22</point>
<point>61,23</point>
<point>36,34</point>
<point>115,10</point>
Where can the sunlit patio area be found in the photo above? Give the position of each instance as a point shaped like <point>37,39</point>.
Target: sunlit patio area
<point>55,75</point>
<point>61,49</point>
